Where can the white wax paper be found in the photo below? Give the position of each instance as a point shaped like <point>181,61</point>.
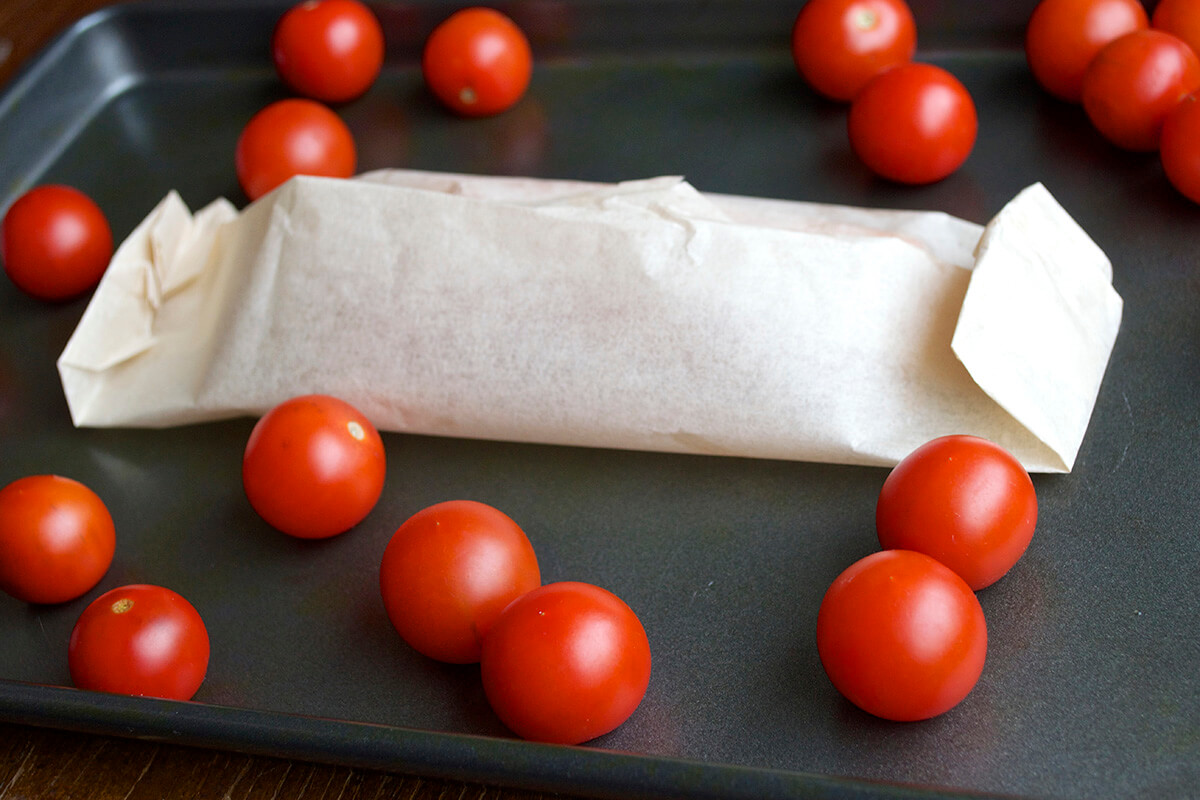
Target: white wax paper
<point>642,315</point>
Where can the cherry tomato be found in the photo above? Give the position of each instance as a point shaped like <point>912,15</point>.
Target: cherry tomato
<point>1063,36</point>
<point>1179,147</point>
<point>313,467</point>
<point>914,124</point>
<point>449,571</point>
<point>56,242</point>
<point>901,636</point>
<point>1134,82</point>
<point>565,663</point>
<point>1180,18</point>
<point>477,62</point>
<point>139,640</point>
<point>329,50</point>
<point>293,137</point>
<point>963,500</point>
<point>56,539</point>
<point>839,45</point>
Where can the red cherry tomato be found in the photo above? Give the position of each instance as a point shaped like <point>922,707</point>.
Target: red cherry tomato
<point>839,45</point>
<point>449,571</point>
<point>914,124</point>
<point>1179,147</point>
<point>477,62</point>
<point>1134,82</point>
<point>1063,36</point>
<point>1180,18</point>
<point>901,636</point>
<point>313,467</point>
<point>56,539</point>
<point>55,242</point>
<point>329,50</point>
<point>139,640</point>
<point>292,137</point>
<point>962,500</point>
<point>565,663</point>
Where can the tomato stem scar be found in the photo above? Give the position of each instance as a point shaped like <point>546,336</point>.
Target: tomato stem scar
<point>356,430</point>
<point>122,605</point>
<point>467,95</point>
<point>865,19</point>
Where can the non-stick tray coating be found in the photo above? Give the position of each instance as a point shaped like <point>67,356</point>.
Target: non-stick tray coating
<point>1091,685</point>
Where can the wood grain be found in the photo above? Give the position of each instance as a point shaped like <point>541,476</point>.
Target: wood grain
<point>43,763</point>
<point>28,25</point>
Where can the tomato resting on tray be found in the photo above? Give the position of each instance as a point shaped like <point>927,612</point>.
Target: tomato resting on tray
<point>55,242</point>
<point>914,123</point>
<point>139,640</point>
<point>477,62</point>
<point>1180,18</point>
<point>839,45</point>
<point>1179,147</point>
<point>901,636</point>
<point>565,663</point>
<point>1134,82</point>
<point>313,466</point>
<point>963,500</point>
<point>449,571</point>
<point>1063,36</point>
<point>56,539</point>
<point>292,137</point>
<point>329,50</point>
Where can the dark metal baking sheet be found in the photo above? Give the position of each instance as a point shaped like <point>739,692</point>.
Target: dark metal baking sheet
<point>1091,685</point>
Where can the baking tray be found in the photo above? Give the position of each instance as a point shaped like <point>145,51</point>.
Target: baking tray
<point>1091,684</point>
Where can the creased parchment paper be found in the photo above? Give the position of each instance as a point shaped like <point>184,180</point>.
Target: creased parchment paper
<point>642,315</point>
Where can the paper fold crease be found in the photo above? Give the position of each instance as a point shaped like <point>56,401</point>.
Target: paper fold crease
<point>641,315</point>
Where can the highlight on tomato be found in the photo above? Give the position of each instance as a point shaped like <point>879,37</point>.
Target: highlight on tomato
<point>1134,82</point>
<point>139,640</point>
<point>57,539</point>
<point>839,45</point>
<point>1179,147</point>
<point>901,636</point>
<point>329,50</point>
<point>914,123</point>
<point>313,467</point>
<point>1063,36</point>
<point>1180,18</point>
<point>449,571</point>
<point>477,62</point>
<point>963,500</point>
<point>296,136</point>
<point>565,663</point>
<point>55,242</point>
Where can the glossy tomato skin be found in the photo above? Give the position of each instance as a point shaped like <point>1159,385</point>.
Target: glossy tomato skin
<point>1134,82</point>
<point>901,636</point>
<point>963,500</point>
<point>57,539</point>
<point>477,62</point>
<point>293,137</point>
<point>914,124</point>
<point>839,45</point>
<point>1063,36</point>
<point>565,663</point>
<point>449,571</point>
<point>1179,147</point>
<point>55,242</point>
<point>313,467</point>
<point>1180,18</point>
<point>139,640</point>
<point>329,50</point>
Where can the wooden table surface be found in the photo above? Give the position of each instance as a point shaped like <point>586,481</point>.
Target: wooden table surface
<point>42,763</point>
